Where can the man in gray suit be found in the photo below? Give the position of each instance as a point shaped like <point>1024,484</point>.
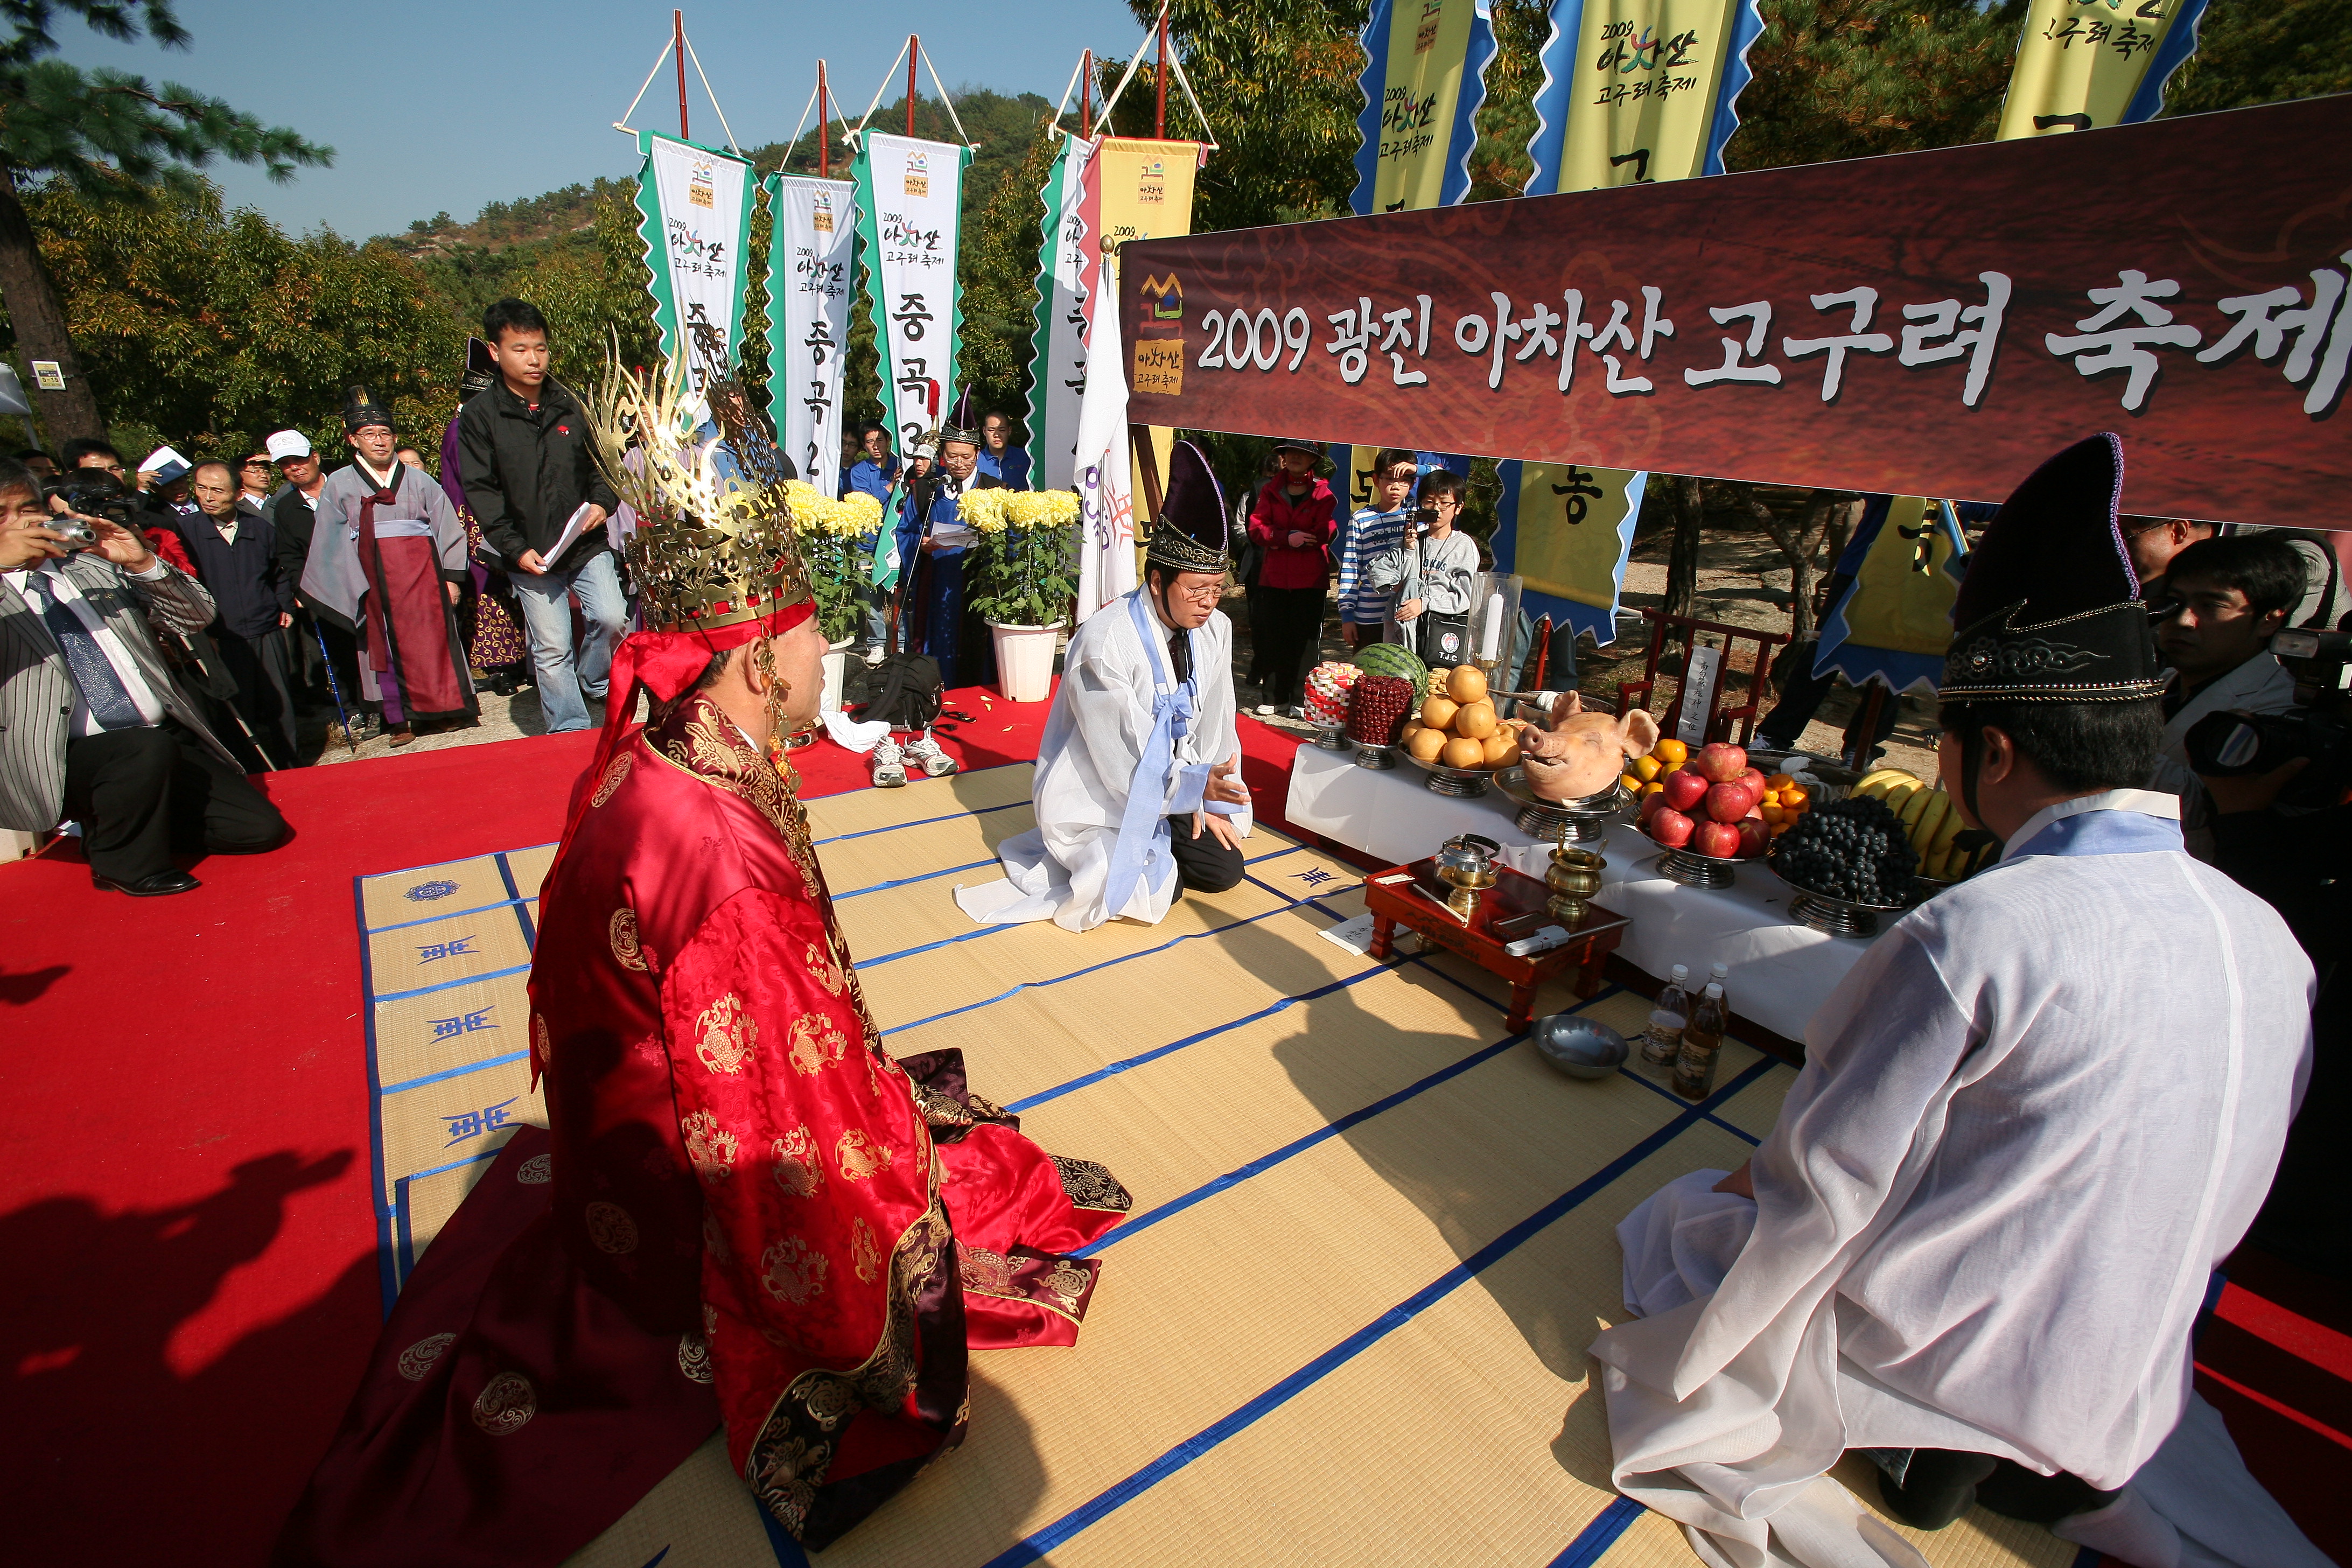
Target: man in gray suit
<point>92,727</point>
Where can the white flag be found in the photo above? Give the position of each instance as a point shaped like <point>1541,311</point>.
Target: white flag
<point>697,224</point>
<point>1063,290</point>
<point>1105,492</point>
<point>812,266</point>
<point>908,197</point>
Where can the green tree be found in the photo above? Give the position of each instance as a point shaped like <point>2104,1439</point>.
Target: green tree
<point>2249,54</point>
<point>999,272</point>
<point>108,135</point>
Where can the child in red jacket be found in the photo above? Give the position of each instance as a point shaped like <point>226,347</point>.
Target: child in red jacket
<point>1292,525</point>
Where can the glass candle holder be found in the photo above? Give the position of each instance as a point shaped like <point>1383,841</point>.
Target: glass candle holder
<point>1494,619</point>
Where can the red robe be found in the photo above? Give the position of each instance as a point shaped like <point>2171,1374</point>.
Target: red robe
<point>740,1196</point>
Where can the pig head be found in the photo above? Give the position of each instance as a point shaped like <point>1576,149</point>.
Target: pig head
<point>1575,753</point>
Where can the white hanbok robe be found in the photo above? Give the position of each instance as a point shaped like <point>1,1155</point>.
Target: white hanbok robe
<point>1094,742</point>
<point>2032,1120</point>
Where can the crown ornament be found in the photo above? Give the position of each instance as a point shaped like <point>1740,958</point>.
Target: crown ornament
<point>712,548</point>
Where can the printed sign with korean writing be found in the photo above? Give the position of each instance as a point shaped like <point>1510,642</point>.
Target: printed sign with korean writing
<point>697,225</point>
<point>812,267</point>
<point>1143,190</point>
<point>1424,82</point>
<point>907,196</point>
<point>1894,623</point>
<point>1159,367</point>
<point>1638,91</point>
<point>1950,319</point>
<point>2081,64</point>
<point>1066,272</point>
<point>1567,530</point>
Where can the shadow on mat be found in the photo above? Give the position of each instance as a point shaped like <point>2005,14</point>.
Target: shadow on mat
<point>20,990</point>
<point>120,1457</point>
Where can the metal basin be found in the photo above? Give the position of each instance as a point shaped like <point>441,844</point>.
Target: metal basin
<point>1579,1046</point>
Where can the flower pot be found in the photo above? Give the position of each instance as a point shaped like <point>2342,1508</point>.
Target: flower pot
<point>1024,660</point>
<point>837,664</point>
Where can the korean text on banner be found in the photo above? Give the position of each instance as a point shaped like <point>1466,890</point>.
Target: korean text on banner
<point>2083,64</point>
<point>1424,82</point>
<point>697,226</point>
<point>1066,271</point>
<point>908,196</point>
<point>1103,482</point>
<point>1636,92</point>
<point>1893,622</point>
<point>1143,190</point>
<point>1567,530</point>
<point>812,267</point>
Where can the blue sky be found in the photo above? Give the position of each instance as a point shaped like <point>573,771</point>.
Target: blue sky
<point>446,104</point>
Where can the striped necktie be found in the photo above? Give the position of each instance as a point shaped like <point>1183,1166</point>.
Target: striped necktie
<point>109,699</point>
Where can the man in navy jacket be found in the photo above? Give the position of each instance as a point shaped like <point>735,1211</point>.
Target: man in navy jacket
<point>234,548</point>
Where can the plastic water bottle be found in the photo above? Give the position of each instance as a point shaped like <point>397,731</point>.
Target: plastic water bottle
<point>1664,1039</point>
<point>1702,1044</point>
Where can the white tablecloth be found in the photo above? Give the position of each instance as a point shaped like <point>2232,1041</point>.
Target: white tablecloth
<point>1780,968</point>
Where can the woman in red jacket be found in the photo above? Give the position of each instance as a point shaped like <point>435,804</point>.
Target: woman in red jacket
<point>1292,525</point>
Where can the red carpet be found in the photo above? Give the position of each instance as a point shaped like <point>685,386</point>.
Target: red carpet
<point>185,1216</point>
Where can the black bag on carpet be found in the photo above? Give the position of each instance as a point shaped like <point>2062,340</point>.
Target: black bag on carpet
<point>906,691</point>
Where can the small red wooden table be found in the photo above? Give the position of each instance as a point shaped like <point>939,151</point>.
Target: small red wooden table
<point>1411,896</point>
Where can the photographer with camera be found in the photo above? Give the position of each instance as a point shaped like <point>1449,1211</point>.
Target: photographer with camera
<point>2227,597</point>
<point>92,727</point>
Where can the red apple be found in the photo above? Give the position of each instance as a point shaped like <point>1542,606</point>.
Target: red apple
<point>1720,839</point>
<point>1684,789</point>
<point>1729,802</point>
<point>1671,827</point>
<point>1754,837</point>
<point>1653,803</point>
<point>1756,781</point>
<point>1720,763</point>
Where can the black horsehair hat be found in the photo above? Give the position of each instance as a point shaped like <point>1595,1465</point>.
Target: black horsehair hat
<point>2050,610</point>
<point>360,410</point>
<point>1195,530</point>
<point>480,370</point>
<point>960,424</point>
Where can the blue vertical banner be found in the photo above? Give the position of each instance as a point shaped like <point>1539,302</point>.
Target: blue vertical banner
<point>1424,81</point>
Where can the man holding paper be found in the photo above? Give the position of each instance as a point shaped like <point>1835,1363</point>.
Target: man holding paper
<point>524,458</point>
<point>387,559</point>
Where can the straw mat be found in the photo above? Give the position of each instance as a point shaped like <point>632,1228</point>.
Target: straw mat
<point>1372,1233</point>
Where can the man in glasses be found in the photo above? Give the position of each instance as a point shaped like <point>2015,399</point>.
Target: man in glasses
<point>1138,776</point>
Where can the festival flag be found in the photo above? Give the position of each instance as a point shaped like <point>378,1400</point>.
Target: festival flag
<point>1142,189</point>
<point>1630,96</point>
<point>1067,268</point>
<point>1424,81</point>
<point>908,196</point>
<point>2083,64</point>
<point>696,207</point>
<point>812,267</point>
<point>1106,494</point>
<point>1893,622</point>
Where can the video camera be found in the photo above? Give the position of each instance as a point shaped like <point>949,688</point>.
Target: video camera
<point>92,492</point>
<point>2230,744</point>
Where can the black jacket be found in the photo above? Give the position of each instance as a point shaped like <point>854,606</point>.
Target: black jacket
<point>293,520</point>
<point>244,578</point>
<point>525,474</point>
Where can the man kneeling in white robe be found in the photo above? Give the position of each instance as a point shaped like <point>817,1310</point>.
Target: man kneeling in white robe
<point>2032,1120</point>
<point>1137,789</point>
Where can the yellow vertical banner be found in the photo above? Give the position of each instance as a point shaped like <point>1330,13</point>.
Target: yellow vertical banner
<point>1144,191</point>
<point>1895,623</point>
<point>2084,64</point>
<point>1423,84</point>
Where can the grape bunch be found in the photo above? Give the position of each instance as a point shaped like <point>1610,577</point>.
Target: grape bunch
<point>1853,849</point>
<point>1377,713</point>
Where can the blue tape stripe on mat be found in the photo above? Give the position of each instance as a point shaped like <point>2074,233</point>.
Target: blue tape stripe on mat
<point>387,1276</point>
<point>903,881</point>
<point>1111,1499</point>
<point>978,932</point>
<point>918,822</point>
<point>432,920</point>
<point>452,984</point>
<point>484,1064</point>
<point>1597,1538</point>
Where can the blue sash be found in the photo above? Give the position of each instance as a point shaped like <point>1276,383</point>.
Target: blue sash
<point>1141,853</point>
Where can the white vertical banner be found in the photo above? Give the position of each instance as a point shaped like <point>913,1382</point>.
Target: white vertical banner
<point>1106,489</point>
<point>1059,380</point>
<point>812,267</point>
<point>697,224</point>
<point>909,199</point>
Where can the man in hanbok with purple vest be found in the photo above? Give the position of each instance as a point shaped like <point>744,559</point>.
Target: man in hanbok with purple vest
<point>2033,1119</point>
<point>387,558</point>
<point>743,1212</point>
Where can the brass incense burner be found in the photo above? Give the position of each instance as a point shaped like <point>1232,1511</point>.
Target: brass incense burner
<point>1467,864</point>
<point>1574,877</point>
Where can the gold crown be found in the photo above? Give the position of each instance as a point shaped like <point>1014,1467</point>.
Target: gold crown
<point>711,549</point>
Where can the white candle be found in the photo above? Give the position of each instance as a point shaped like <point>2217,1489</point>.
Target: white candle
<point>1490,641</point>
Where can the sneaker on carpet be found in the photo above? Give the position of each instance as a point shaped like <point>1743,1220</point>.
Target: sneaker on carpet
<point>931,755</point>
<point>889,763</point>
<point>1265,710</point>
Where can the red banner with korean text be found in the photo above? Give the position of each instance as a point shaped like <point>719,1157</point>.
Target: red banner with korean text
<point>1930,323</point>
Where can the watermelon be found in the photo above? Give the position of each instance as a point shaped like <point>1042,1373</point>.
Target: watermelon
<point>1395,659</point>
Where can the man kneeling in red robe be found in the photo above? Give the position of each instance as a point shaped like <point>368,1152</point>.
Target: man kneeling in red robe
<point>742,1210</point>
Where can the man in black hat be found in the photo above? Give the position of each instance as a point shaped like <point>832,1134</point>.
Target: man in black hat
<point>2031,1122</point>
<point>1139,775</point>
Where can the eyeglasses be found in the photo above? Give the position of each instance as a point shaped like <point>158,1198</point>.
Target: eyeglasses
<point>1204,594</point>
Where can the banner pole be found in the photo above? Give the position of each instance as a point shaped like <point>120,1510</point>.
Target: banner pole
<point>823,146</point>
<point>914,50</point>
<point>1160,80</point>
<point>678,48</point>
<point>1086,96</point>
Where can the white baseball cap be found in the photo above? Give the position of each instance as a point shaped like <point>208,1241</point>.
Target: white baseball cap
<point>285,444</point>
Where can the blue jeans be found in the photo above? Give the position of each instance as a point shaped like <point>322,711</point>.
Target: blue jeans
<point>547,617</point>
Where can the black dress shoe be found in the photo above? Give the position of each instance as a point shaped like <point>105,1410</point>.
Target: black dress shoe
<point>155,886</point>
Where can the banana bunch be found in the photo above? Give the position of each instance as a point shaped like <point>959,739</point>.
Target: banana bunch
<point>1929,820</point>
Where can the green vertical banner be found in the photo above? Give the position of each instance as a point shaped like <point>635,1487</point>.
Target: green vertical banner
<point>2083,64</point>
<point>1068,268</point>
<point>908,196</point>
<point>1635,92</point>
<point>1424,81</point>
<point>697,227</point>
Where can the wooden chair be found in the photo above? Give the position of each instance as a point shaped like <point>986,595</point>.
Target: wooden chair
<point>1686,631</point>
